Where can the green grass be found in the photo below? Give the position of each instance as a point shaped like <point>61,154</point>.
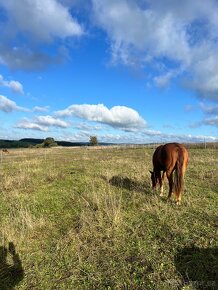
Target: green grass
<point>88,219</point>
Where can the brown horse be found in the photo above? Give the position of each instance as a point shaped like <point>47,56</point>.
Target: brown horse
<point>170,158</point>
<point>5,151</point>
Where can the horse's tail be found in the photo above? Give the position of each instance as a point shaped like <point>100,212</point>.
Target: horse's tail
<point>179,176</point>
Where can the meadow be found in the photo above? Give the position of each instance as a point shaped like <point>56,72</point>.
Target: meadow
<point>86,218</point>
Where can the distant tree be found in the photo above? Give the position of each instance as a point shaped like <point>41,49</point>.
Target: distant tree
<point>93,141</point>
<point>49,142</point>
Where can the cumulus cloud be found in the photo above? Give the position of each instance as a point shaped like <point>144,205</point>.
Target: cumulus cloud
<point>15,86</point>
<point>40,22</point>
<point>182,34</point>
<point>28,125</point>
<point>118,116</point>
<point>51,121</point>
<point>36,29</point>
<point>7,105</point>
<point>146,29</point>
<point>42,123</point>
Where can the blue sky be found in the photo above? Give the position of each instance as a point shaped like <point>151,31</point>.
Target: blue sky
<point>132,71</point>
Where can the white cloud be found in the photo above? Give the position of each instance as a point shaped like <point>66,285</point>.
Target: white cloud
<point>209,110</point>
<point>181,34</point>
<point>42,123</point>
<point>118,116</point>
<point>51,121</point>
<point>40,109</point>
<point>204,68</point>
<point>88,127</point>
<point>79,136</point>
<point>7,105</point>
<point>36,18</point>
<point>210,118</point>
<point>205,122</point>
<point>26,124</point>
<point>143,137</point>
<point>27,58</point>
<point>15,86</point>
<point>148,30</point>
<point>163,80</point>
<point>168,137</point>
<point>29,24</point>
<point>211,121</point>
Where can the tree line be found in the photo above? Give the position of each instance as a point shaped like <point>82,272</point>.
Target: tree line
<point>44,143</point>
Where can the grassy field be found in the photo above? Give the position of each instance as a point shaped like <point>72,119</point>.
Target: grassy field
<point>86,218</point>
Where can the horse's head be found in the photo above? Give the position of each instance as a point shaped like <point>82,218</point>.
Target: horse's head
<point>153,179</point>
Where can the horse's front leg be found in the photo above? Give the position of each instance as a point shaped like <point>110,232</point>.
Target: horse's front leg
<point>159,178</point>
<point>161,181</point>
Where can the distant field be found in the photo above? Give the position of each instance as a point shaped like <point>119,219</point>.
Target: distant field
<point>86,218</point>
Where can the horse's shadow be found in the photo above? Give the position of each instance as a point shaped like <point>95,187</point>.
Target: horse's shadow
<point>198,267</point>
<point>11,270</point>
<point>129,184</point>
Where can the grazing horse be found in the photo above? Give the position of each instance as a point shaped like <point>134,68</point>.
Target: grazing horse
<point>5,151</point>
<point>170,158</point>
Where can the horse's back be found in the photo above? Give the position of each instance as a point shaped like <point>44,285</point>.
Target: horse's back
<point>167,155</point>
<point>174,152</point>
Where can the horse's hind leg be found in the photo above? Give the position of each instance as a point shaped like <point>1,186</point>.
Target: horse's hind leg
<point>170,179</point>
<point>178,198</point>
